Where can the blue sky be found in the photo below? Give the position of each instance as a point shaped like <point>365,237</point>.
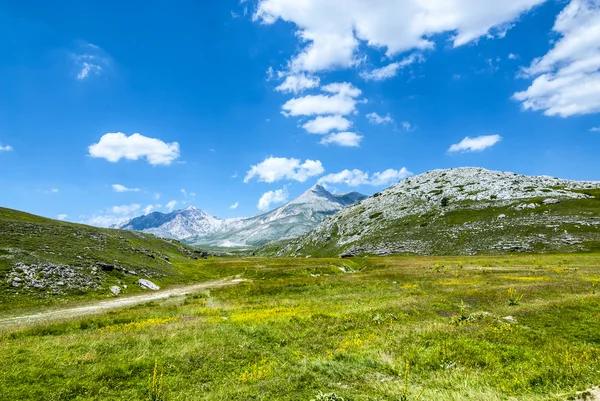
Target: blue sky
<point>235,102</point>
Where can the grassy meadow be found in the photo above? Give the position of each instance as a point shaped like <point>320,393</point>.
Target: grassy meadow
<point>392,328</point>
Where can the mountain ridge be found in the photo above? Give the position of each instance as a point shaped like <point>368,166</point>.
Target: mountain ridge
<point>461,211</point>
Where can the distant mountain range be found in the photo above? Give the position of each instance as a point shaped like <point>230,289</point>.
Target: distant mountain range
<point>197,227</point>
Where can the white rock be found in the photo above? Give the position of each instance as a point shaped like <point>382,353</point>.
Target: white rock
<point>502,216</point>
<point>115,289</point>
<point>148,285</point>
<point>551,201</point>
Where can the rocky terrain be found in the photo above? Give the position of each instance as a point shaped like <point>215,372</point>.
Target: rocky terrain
<point>461,211</point>
<point>44,258</point>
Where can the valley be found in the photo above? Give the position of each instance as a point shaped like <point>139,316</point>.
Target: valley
<point>450,285</point>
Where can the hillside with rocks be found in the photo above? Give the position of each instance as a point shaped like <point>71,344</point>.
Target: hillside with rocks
<point>45,259</point>
<point>462,211</point>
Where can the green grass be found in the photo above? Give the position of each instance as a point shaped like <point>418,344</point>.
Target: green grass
<point>30,239</point>
<point>394,329</point>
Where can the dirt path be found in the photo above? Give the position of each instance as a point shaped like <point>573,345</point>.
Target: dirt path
<point>112,304</point>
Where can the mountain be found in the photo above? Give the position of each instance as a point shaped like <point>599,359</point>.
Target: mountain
<point>461,211</point>
<point>179,224</point>
<point>44,260</point>
<point>291,220</point>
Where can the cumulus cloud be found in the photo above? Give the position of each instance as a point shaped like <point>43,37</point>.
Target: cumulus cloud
<point>567,79</point>
<point>346,139</point>
<point>513,56</point>
<point>298,83</point>
<point>278,168</point>
<point>5,148</point>
<point>272,197</point>
<point>171,205</point>
<point>375,118</point>
<point>323,125</point>
<point>116,146</point>
<point>355,178</point>
<point>62,217</point>
<point>390,70</point>
<point>343,89</point>
<point>475,144</point>
<point>595,129</point>
<point>235,205</point>
<point>156,196</point>
<point>123,188</point>
<point>340,100</point>
<point>332,30</point>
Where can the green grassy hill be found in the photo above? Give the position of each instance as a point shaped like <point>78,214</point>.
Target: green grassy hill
<point>44,261</point>
<point>462,211</point>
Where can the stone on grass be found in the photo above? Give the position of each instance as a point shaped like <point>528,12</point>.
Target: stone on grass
<point>148,285</point>
<point>115,289</point>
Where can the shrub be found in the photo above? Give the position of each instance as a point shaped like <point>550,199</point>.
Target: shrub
<point>445,201</point>
<point>514,298</point>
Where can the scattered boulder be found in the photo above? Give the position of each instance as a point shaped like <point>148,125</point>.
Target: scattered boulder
<point>148,285</point>
<point>115,289</point>
<point>551,201</point>
<point>502,216</point>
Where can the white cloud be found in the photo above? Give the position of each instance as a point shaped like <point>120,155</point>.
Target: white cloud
<point>184,192</point>
<point>150,208</point>
<point>171,205</point>
<point>332,30</point>
<point>390,70</point>
<point>340,100</point>
<point>513,56</point>
<point>52,191</point>
<point>156,196</point>
<point>407,126</point>
<point>278,168</point>
<point>354,178</point>
<point>342,88</point>
<point>389,176</point>
<point>272,197</point>
<point>123,188</point>
<point>475,144</point>
<point>62,217</point>
<point>323,125</point>
<point>375,118</point>
<point>89,60</point>
<point>5,148</point>
<point>235,205</point>
<point>298,83</point>
<point>116,146</point>
<point>347,139</point>
<point>567,78</point>
<point>126,209</point>
<point>114,216</point>
<point>595,129</point>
